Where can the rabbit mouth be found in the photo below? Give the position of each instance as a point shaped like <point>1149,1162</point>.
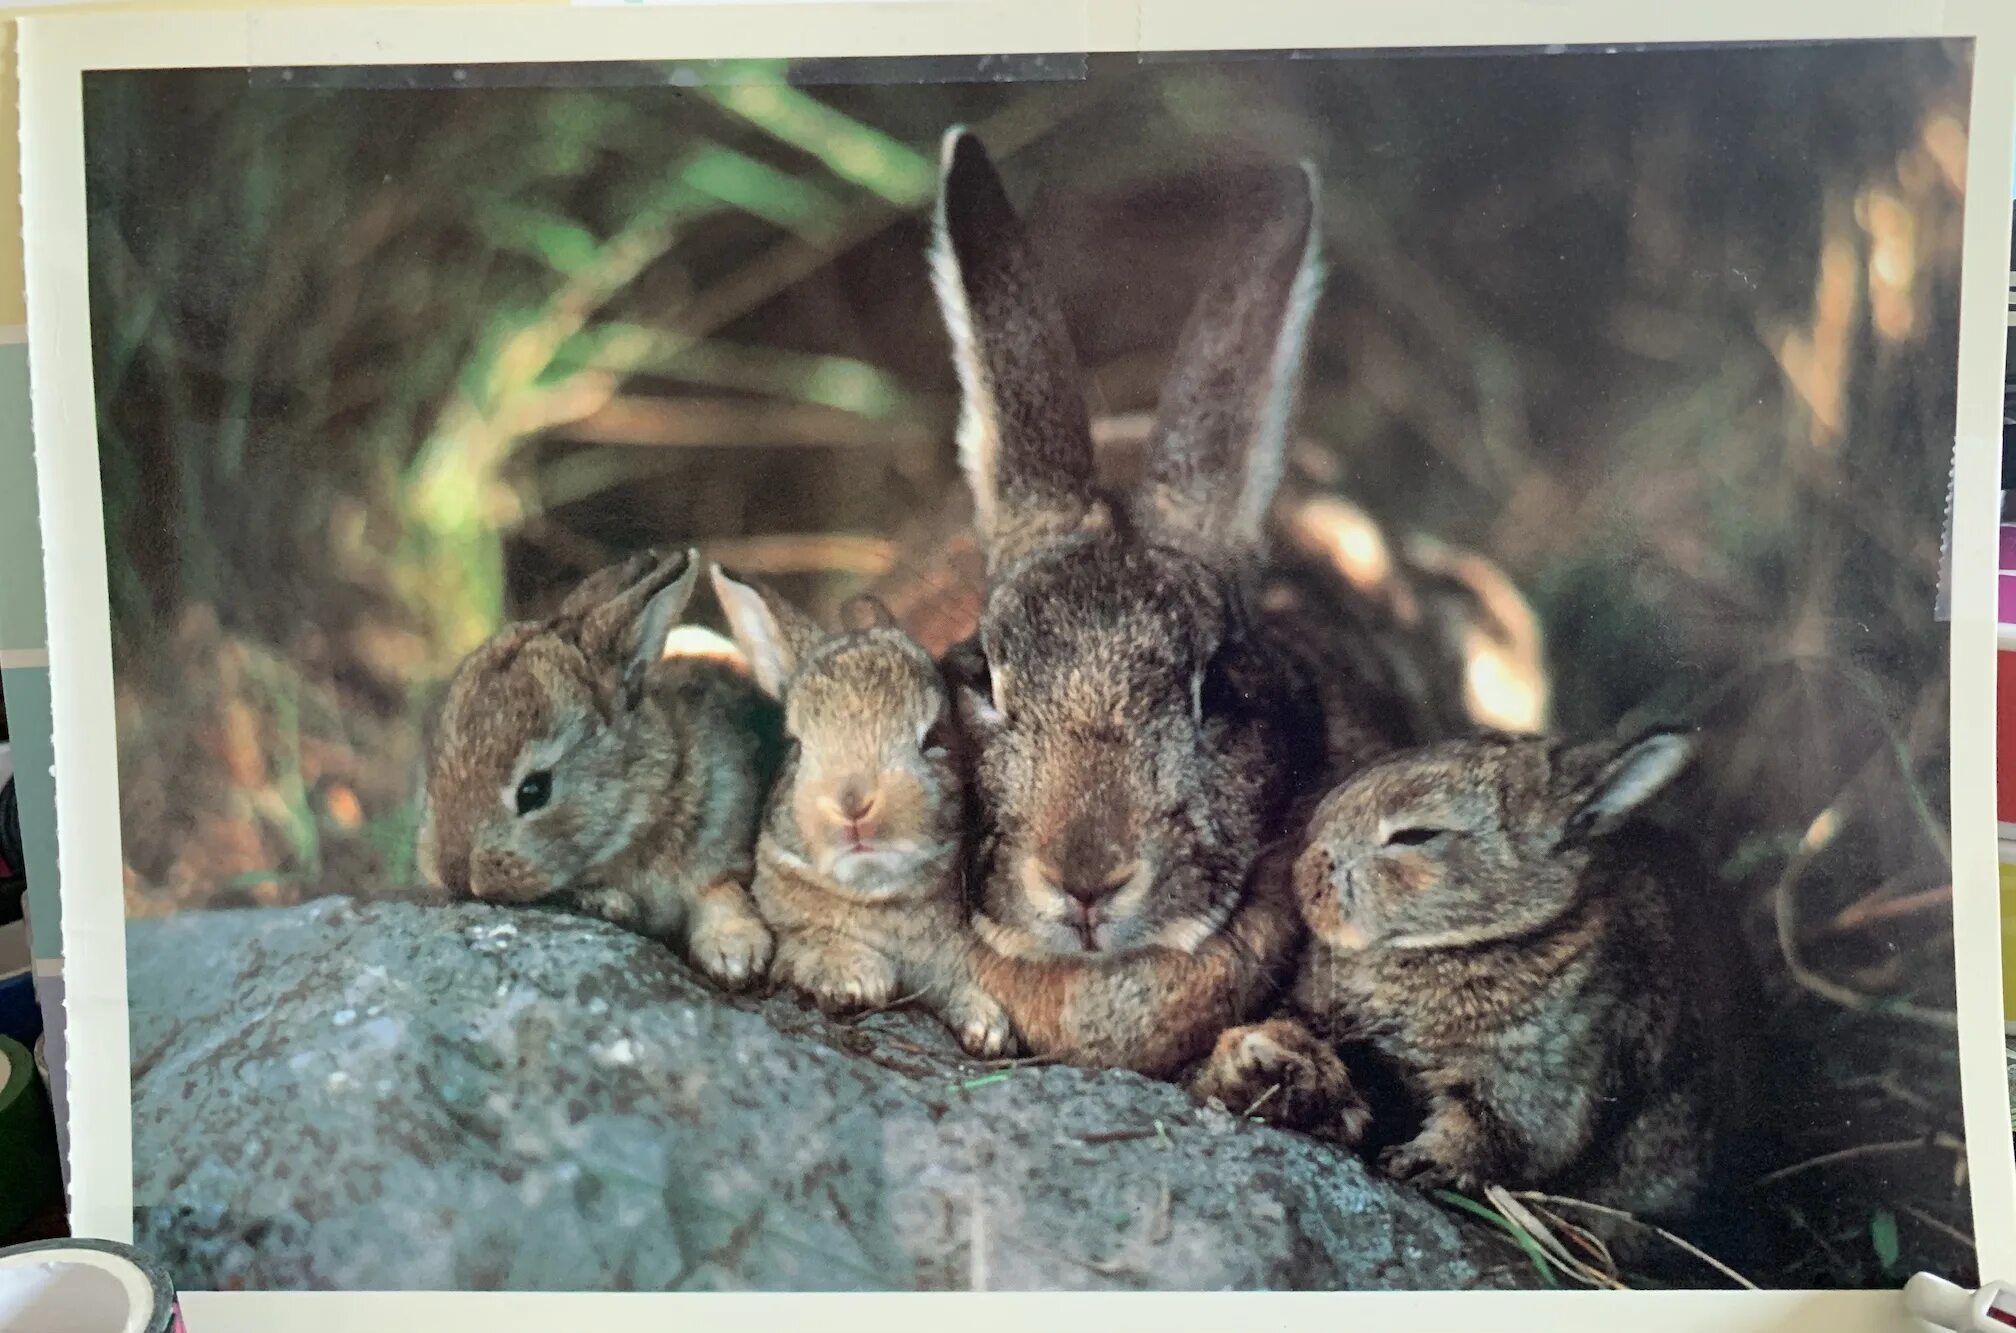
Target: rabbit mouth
<point>865,864</point>
<point>1085,933</point>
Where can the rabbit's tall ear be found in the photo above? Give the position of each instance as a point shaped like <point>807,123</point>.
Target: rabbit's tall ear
<point>1621,779</point>
<point>773,634</point>
<point>1215,458</point>
<point>623,629</point>
<point>606,583</point>
<point>1025,442</point>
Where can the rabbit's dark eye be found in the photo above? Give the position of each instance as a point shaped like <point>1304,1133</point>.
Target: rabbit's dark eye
<point>534,792</point>
<point>1413,837</point>
<point>937,737</point>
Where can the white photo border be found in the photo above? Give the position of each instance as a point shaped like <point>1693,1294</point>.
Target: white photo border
<point>57,51</point>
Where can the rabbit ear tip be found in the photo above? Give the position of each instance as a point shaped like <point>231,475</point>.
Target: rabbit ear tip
<point>949,146</point>
<point>964,155</point>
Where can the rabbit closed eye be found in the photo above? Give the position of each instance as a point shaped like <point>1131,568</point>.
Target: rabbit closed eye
<point>1546,967</point>
<point>1471,840</point>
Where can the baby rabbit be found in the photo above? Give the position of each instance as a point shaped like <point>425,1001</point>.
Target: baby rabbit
<point>573,761</point>
<point>1545,970</point>
<point>858,867</point>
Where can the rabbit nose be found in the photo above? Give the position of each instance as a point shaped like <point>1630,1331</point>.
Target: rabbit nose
<point>1092,885</point>
<point>854,804</point>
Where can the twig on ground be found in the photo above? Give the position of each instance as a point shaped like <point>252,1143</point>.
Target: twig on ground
<point>1261,1100</point>
<point>1019,1062</point>
<point>1872,911</point>
<point>1115,1135</point>
<point>1946,1229</point>
<point>1844,1272</point>
<point>1589,1275</point>
<point>1785,915</point>
<point>1923,1143</point>
<point>1590,1242</point>
<point>1619,1214</point>
<point>896,1003</point>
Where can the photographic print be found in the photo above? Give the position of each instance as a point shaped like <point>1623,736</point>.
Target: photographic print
<point>1291,670</point>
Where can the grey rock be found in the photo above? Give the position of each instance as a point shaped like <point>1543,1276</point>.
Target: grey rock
<point>402,1096</point>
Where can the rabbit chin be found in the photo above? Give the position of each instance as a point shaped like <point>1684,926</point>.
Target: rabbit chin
<point>884,869</point>
<point>1040,937</point>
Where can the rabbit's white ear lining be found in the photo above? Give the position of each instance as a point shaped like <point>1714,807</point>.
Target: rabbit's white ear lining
<point>1025,443</point>
<point>699,642</point>
<point>1634,775</point>
<point>770,633</point>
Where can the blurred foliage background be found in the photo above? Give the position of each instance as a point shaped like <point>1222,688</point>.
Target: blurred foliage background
<point>386,357</point>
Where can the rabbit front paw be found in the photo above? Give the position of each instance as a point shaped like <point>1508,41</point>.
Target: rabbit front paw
<point>980,1023</point>
<point>1446,1154</point>
<point>729,942</point>
<point>611,905</point>
<point>838,975</point>
<point>1285,1074</point>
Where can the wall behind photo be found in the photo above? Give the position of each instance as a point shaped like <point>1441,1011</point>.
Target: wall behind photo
<point>24,643</point>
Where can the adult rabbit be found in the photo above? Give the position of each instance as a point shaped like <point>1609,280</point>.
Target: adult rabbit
<point>1146,723</point>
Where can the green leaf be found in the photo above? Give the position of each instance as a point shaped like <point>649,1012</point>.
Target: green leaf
<point>1525,1242</point>
<point>566,246</point>
<point>1883,1237</point>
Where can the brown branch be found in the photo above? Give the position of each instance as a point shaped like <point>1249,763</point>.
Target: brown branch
<point>1116,1136</point>
<point>805,553</point>
<point>693,423</point>
<point>1874,910</point>
<point>1921,1144</point>
<point>1622,1216</point>
<point>1946,1229</point>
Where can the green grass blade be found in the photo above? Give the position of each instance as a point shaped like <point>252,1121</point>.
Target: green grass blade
<point>1541,1263</point>
<point>852,151</point>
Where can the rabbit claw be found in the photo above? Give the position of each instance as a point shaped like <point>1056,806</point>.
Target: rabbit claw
<point>981,1025</point>
<point>840,977</point>
<point>1439,1157</point>
<point>731,947</point>
<point>611,905</point>
<point>1412,1165</point>
<point>1281,1072</point>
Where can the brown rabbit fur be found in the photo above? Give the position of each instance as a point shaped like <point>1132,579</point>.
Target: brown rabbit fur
<point>859,864</point>
<point>572,761</point>
<point>1442,629</point>
<point>1157,1009</point>
<point>1545,970</point>
<point>1144,725</point>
